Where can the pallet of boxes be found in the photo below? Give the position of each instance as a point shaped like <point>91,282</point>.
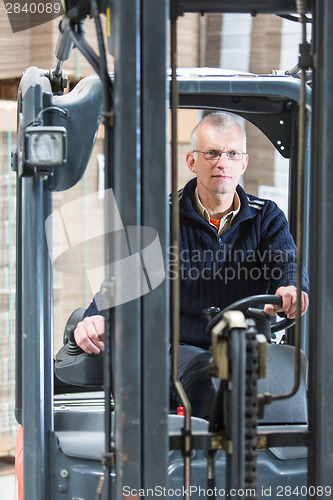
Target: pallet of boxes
<point>25,48</point>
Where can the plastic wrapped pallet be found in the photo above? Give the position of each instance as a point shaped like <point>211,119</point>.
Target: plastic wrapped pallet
<point>70,290</point>
<point>8,425</point>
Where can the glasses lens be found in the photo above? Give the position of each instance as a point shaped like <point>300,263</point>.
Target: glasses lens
<point>215,154</point>
<point>212,154</point>
<point>234,155</point>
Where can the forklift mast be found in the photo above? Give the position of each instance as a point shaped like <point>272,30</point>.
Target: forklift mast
<point>133,107</point>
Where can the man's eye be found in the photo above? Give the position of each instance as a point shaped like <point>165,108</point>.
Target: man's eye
<point>212,153</point>
<point>233,154</point>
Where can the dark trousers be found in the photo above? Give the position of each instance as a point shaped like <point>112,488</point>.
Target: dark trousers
<point>194,376</point>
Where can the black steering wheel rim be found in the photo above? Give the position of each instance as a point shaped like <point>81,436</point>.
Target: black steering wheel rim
<point>254,300</point>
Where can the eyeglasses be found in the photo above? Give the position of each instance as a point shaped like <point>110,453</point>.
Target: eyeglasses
<point>215,154</point>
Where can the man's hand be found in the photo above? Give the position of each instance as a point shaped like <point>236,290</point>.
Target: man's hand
<point>89,334</point>
<point>289,298</point>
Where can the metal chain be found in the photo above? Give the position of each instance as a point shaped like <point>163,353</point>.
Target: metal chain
<point>251,412</point>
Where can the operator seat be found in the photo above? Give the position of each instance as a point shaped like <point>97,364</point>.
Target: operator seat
<point>279,379</point>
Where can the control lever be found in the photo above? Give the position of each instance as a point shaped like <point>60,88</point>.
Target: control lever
<point>74,366</point>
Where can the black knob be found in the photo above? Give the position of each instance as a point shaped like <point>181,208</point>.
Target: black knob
<point>210,313</point>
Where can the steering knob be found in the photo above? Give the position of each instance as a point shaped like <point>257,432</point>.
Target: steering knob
<point>263,321</point>
<point>210,313</point>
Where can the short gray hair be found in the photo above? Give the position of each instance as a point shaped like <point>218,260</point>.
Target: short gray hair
<point>220,120</point>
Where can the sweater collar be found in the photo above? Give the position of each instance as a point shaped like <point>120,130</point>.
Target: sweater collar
<point>225,221</point>
<point>247,211</point>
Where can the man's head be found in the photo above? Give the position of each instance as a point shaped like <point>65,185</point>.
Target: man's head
<point>218,155</point>
<point>220,121</point>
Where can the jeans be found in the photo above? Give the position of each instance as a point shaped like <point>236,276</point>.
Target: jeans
<point>194,376</point>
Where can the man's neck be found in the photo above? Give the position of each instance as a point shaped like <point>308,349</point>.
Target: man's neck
<point>217,205</point>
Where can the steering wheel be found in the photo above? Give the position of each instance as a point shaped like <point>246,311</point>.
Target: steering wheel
<point>213,315</point>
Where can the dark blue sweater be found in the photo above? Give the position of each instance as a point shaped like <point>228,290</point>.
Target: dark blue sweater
<point>255,255</point>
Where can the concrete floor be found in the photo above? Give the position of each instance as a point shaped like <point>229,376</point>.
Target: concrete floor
<point>7,486</point>
<point>7,479</point>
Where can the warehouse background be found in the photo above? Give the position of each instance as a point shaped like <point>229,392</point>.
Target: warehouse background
<point>252,44</point>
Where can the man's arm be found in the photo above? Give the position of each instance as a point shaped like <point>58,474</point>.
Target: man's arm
<point>279,247</point>
<point>89,334</point>
<point>289,301</point>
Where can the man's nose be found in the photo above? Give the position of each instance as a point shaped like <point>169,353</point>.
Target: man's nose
<point>222,161</point>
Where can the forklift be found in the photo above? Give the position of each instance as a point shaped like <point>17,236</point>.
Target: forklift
<point>270,431</point>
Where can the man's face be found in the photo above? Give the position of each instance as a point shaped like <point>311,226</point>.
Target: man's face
<point>219,176</point>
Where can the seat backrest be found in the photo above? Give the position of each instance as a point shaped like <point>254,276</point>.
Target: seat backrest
<point>280,380</point>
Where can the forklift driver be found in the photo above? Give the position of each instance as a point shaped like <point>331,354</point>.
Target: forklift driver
<point>232,245</point>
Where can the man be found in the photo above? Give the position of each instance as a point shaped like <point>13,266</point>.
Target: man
<point>232,245</point>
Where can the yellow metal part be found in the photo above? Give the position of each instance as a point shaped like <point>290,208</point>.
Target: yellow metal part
<point>219,348</point>
<point>262,354</point>
<point>221,443</point>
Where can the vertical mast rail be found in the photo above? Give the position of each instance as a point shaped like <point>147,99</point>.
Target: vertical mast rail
<point>320,464</point>
<point>155,214</point>
<point>175,282</point>
<point>126,338</point>
<point>34,307</point>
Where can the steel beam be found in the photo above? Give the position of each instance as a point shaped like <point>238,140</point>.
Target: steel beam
<point>155,213</point>
<point>321,255</point>
<point>34,309</point>
<point>241,6</point>
<point>127,317</point>
<point>140,186</point>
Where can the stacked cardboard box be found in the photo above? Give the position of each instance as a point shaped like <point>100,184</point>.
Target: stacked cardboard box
<point>15,51</point>
<point>70,290</point>
<point>7,277</point>
<point>36,47</point>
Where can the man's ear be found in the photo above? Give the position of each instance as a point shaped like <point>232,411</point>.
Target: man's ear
<point>245,163</point>
<point>190,160</point>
